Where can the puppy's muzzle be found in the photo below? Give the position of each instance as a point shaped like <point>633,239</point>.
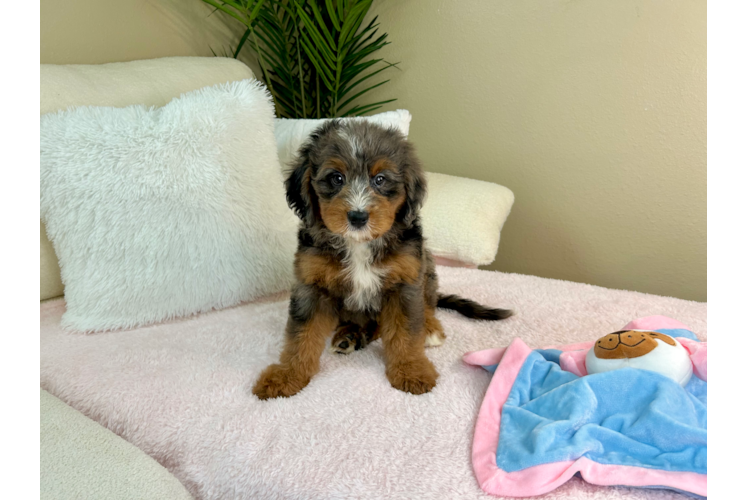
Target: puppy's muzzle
<point>357,218</point>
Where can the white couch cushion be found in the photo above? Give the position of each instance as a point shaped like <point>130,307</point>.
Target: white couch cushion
<point>152,82</point>
<point>157,213</point>
<point>462,218</point>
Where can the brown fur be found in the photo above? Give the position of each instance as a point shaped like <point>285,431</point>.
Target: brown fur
<point>335,215</point>
<point>319,270</point>
<point>383,213</point>
<point>299,361</point>
<point>406,366</point>
<point>433,325</point>
<point>359,168</point>
<point>401,268</point>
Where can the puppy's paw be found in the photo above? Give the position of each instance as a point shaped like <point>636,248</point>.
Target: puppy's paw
<point>417,377</point>
<point>278,381</point>
<point>434,332</point>
<point>435,339</point>
<point>349,338</point>
<point>343,344</point>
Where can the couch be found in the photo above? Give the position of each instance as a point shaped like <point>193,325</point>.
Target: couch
<point>165,411</point>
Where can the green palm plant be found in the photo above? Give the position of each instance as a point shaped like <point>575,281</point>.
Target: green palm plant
<point>315,57</point>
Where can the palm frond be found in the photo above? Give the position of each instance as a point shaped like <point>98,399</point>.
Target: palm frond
<point>313,54</point>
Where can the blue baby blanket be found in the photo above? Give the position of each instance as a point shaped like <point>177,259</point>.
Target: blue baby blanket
<point>540,424</point>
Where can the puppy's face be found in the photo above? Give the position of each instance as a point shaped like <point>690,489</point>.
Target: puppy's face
<point>357,180</point>
<point>359,199</point>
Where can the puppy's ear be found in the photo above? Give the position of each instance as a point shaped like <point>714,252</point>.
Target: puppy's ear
<point>299,191</point>
<point>415,186</point>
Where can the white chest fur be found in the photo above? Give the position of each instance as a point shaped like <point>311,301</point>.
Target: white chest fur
<point>366,279</point>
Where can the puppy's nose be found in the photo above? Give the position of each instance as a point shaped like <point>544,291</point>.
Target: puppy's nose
<point>358,218</point>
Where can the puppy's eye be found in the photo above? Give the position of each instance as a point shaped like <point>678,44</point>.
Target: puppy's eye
<point>379,180</point>
<point>336,180</point>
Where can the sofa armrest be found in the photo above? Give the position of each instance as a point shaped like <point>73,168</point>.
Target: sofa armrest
<point>462,218</point>
<point>81,459</point>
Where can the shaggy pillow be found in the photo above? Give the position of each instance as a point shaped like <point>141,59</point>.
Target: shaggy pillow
<point>291,133</point>
<point>157,213</point>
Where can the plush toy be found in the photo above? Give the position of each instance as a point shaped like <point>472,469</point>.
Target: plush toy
<point>575,410</point>
<point>642,349</point>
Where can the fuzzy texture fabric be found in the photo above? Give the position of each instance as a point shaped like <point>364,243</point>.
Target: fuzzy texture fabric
<point>540,424</point>
<point>463,218</point>
<point>82,460</point>
<point>291,133</point>
<point>151,82</point>
<point>162,213</point>
<point>180,391</point>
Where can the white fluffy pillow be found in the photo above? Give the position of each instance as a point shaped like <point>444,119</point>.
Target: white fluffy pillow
<point>161,213</point>
<point>291,133</point>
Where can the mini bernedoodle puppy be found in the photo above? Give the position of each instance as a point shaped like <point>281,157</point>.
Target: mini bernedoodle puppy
<point>361,267</point>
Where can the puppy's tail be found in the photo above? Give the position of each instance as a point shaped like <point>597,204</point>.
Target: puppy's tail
<point>471,309</point>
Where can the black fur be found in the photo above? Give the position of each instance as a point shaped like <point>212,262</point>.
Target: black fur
<point>307,185</point>
<point>471,309</point>
<point>359,166</point>
<point>304,301</point>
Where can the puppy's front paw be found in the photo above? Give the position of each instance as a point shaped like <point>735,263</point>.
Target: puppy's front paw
<point>417,377</point>
<point>278,381</point>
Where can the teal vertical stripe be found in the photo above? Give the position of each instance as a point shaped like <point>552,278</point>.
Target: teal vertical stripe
<point>712,331</point>
<point>712,488</point>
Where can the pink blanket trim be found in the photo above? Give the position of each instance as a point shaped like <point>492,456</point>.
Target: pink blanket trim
<point>541,479</point>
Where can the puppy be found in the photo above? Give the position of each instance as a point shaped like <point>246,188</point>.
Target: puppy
<point>361,267</point>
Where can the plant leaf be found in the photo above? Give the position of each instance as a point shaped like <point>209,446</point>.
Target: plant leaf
<point>315,34</point>
<point>256,11</point>
<point>315,56</point>
<point>359,110</point>
<point>347,89</point>
<point>228,11</point>
<point>333,15</point>
<point>241,43</point>
<point>321,24</point>
<point>352,71</point>
<point>348,101</point>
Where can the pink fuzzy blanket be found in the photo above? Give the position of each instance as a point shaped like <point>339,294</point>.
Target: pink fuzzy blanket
<point>180,391</point>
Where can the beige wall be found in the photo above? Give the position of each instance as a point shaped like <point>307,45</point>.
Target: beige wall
<point>713,150</point>
<point>593,113</point>
<point>101,31</point>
